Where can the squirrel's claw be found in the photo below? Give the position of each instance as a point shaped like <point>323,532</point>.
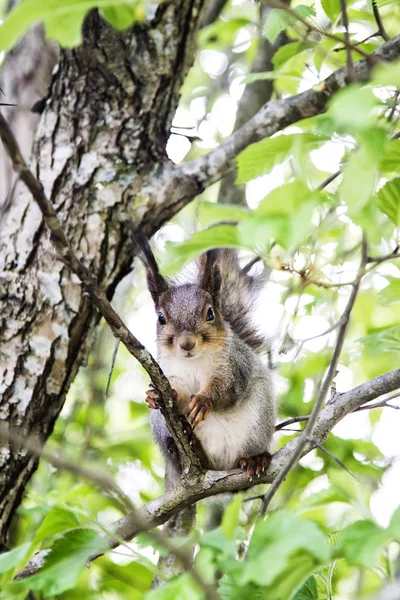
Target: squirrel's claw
<point>255,465</point>
<point>198,411</point>
<point>153,399</point>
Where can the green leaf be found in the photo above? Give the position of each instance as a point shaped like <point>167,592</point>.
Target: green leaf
<point>182,588</point>
<point>389,200</point>
<point>178,255</point>
<point>394,526</point>
<point>386,339</point>
<point>230,517</point>
<point>391,159</point>
<point>63,20</point>
<point>387,74</point>
<point>122,16</point>
<point>286,52</point>
<point>259,158</point>
<point>284,217</point>
<point>276,541</point>
<point>308,591</point>
<point>362,542</point>
<point>9,560</point>
<point>217,540</point>
<point>268,75</point>
<point>214,212</point>
<point>351,107</point>
<point>280,19</point>
<point>360,175</point>
<point>66,561</point>
<point>285,199</point>
<point>331,8</point>
<point>56,521</point>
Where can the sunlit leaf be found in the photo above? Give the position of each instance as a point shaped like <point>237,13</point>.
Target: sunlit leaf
<point>351,107</point>
<point>280,19</point>
<point>362,542</point>
<point>389,200</point>
<point>56,521</point>
<point>386,339</point>
<point>63,20</point>
<point>261,157</point>
<point>308,591</point>
<point>177,255</point>
<point>182,587</point>
<point>391,158</point>
<point>230,517</point>
<point>9,560</point>
<point>286,52</point>
<point>66,561</point>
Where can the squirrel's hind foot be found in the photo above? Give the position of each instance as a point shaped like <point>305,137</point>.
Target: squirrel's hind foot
<point>253,466</point>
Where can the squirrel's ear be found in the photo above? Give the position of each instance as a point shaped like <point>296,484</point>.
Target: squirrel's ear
<point>210,274</point>
<point>155,282</point>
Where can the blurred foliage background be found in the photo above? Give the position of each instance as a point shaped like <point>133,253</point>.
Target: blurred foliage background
<point>328,528</point>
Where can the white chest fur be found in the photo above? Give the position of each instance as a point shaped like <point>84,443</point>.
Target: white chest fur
<point>191,374</point>
<point>223,434</point>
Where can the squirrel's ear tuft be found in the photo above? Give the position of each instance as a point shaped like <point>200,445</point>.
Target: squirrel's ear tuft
<point>155,282</point>
<point>210,275</point>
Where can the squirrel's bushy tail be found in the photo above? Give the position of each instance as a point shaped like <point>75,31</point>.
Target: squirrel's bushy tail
<point>239,294</point>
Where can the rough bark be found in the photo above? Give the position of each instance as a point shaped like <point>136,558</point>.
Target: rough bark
<point>105,126</point>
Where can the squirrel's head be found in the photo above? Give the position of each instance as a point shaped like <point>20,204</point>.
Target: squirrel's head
<point>189,315</point>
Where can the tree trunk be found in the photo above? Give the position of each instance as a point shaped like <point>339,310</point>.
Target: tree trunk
<point>100,141</point>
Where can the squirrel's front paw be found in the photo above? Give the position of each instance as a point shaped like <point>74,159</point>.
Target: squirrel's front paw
<point>198,409</point>
<point>153,397</point>
<point>255,465</point>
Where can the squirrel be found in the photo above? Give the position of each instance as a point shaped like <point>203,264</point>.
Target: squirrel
<point>209,349</point>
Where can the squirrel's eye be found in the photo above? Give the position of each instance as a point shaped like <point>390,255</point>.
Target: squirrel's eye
<point>210,315</point>
<point>161,319</point>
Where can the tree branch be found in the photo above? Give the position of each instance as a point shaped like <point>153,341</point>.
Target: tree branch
<point>178,184</point>
<point>195,487</point>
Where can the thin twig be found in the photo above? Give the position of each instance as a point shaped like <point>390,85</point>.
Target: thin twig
<point>314,337</point>
<point>393,109</point>
<point>378,20</point>
<point>380,259</point>
<point>381,404</point>
<point>121,332</point>
<point>291,421</point>
<point>350,67</point>
<point>111,369</point>
<point>335,458</point>
<point>308,431</point>
<point>358,43</point>
<point>310,27</point>
<point>329,179</point>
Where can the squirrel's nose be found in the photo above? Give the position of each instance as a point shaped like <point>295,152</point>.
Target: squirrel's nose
<point>187,344</point>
